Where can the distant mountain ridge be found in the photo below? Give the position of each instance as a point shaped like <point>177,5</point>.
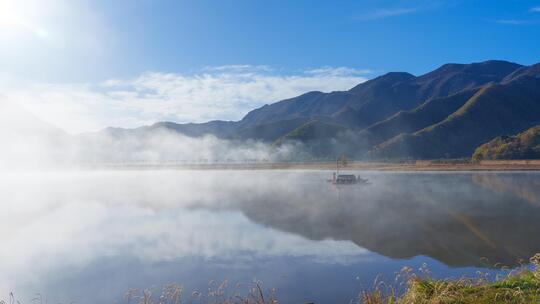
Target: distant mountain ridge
<point>447,112</point>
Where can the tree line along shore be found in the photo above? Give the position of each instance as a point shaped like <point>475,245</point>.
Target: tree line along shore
<point>405,165</point>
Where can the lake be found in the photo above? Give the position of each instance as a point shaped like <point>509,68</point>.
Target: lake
<point>90,236</point>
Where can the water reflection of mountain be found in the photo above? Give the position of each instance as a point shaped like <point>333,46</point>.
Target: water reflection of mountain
<point>447,216</point>
<point>455,218</point>
<point>525,188</point>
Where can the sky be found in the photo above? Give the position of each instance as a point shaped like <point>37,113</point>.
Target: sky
<point>84,65</point>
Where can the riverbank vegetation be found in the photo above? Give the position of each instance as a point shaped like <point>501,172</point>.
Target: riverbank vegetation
<point>525,145</point>
<point>520,286</point>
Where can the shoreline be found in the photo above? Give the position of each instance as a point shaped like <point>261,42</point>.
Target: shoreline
<point>489,165</point>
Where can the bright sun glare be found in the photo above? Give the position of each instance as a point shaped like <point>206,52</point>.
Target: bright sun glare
<point>20,15</point>
<point>9,14</point>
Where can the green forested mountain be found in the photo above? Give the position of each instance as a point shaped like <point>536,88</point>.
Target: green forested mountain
<point>525,145</point>
<point>429,113</point>
<point>497,109</point>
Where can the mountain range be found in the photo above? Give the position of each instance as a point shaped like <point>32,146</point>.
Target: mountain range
<point>446,113</point>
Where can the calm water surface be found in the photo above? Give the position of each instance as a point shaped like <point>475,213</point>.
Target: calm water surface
<point>90,236</point>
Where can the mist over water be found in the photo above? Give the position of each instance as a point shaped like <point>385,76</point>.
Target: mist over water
<point>29,144</point>
<point>89,236</point>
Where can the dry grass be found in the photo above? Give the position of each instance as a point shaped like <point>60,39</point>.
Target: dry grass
<point>517,287</point>
<point>174,294</point>
<point>216,294</point>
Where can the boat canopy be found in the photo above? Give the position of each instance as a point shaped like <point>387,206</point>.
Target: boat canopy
<point>346,178</point>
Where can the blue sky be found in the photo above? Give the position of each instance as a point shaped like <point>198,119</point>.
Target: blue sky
<point>413,36</point>
<point>88,43</point>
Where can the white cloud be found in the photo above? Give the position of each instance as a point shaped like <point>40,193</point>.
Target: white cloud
<point>226,92</point>
<point>411,7</point>
<point>386,13</point>
<point>516,21</point>
<point>240,68</point>
<point>535,9</point>
<point>338,71</point>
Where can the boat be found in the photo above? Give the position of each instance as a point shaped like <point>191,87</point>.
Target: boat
<point>346,179</point>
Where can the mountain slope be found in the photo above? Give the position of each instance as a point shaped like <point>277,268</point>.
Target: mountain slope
<point>216,127</point>
<point>495,110</point>
<point>321,139</point>
<point>268,132</point>
<point>314,130</point>
<point>306,106</point>
<point>401,91</point>
<point>423,116</point>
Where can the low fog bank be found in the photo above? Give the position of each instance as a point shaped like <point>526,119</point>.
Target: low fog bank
<point>162,146</point>
<point>29,143</point>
